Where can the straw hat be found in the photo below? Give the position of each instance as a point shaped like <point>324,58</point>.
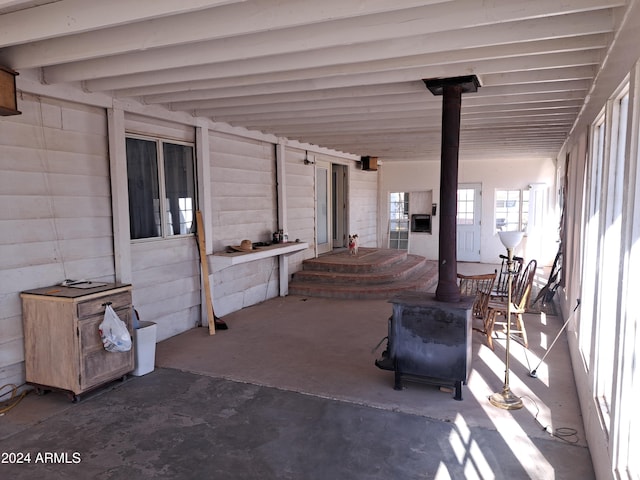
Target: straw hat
<point>245,246</point>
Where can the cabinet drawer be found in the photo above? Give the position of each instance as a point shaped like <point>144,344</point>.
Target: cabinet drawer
<point>96,306</point>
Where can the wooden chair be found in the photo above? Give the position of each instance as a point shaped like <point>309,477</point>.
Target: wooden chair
<point>500,289</point>
<point>479,286</point>
<point>520,293</point>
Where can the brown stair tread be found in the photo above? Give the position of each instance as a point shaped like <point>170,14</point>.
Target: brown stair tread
<point>395,272</point>
<point>373,273</point>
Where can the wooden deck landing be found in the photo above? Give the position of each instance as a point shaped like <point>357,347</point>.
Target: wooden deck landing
<point>373,273</point>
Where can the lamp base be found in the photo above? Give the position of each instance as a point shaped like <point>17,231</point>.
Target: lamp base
<point>506,400</point>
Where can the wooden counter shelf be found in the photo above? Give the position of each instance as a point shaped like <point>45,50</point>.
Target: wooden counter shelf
<point>222,260</point>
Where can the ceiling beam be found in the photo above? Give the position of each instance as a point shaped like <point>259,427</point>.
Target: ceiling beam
<point>68,17</point>
<point>357,74</point>
<point>338,60</point>
<point>331,45</point>
<point>377,124</point>
<point>227,20</point>
<point>199,90</point>
<point>372,92</point>
<point>395,102</point>
<point>364,92</point>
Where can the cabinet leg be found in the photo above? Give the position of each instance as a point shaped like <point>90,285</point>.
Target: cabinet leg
<point>458,395</point>
<point>397,383</point>
<point>73,397</point>
<point>41,391</point>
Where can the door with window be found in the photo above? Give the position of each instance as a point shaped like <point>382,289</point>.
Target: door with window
<point>399,220</point>
<point>468,220</point>
<point>339,203</point>
<point>324,236</point>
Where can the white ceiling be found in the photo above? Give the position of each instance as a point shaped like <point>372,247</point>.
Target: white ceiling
<point>341,74</point>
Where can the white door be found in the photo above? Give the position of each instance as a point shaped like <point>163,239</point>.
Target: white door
<point>538,234</point>
<point>468,222</point>
<point>324,239</point>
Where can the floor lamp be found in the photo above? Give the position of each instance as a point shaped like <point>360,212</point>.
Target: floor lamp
<point>506,399</point>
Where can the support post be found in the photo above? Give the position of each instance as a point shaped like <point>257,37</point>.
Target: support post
<point>451,90</point>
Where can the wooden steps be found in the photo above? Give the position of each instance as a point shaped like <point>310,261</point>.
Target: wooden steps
<point>372,274</point>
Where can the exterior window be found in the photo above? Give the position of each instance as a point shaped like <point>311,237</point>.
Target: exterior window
<point>609,270</point>
<point>399,220</point>
<point>512,210</point>
<point>160,170</point>
<point>466,203</point>
<point>593,184</point>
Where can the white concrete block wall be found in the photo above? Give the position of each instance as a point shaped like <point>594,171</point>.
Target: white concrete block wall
<point>363,205</point>
<point>166,284</point>
<point>299,179</point>
<point>57,223</point>
<point>244,285</point>
<point>243,190</point>
<point>165,272</point>
<point>56,210</point>
<point>423,176</point>
<point>243,206</point>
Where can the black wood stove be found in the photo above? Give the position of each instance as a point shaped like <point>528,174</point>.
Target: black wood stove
<point>429,341</point>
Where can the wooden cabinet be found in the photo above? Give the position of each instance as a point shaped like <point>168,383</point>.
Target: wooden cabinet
<point>63,349</point>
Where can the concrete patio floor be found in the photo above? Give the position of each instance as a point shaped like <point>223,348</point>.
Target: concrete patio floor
<point>291,391</point>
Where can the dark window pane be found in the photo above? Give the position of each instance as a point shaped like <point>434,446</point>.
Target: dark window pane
<point>180,188</point>
<point>142,172</point>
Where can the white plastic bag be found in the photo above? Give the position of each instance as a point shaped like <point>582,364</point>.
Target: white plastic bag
<point>113,332</point>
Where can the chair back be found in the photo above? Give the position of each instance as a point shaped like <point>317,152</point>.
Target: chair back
<point>480,287</point>
<point>521,289</point>
<point>502,281</point>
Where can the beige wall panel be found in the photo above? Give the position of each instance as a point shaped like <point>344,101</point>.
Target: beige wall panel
<point>165,272</point>
<point>300,204</point>
<point>176,323</point>
<point>243,206</point>
<point>34,253</point>
<point>78,206</point>
<point>10,328</point>
<point>26,159</point>
<point>150,254</point>
<point>177,287</point>
<point>363,205</point>
<point>243,203</point>
<point>15,280</point>
<point>56,217</point>
<point>11,352</point>
<point>13,374</point>
<point>166,283</point>
<point>98,269</point>
<point>83,248</point>
<point>22,183</point>
<point>159,128</point>
<point>245,285</point>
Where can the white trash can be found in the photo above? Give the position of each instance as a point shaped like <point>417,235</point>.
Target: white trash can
<point>144,338</point>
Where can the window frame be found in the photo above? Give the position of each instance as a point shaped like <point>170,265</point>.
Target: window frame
<point>399,216</point>
<point>523,213</point>
<point>610,239</point>
<point>162,185</point>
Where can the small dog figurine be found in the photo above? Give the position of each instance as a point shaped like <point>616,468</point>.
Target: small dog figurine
<point>353,244</point>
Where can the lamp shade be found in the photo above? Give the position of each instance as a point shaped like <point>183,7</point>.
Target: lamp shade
<point>511,240</point>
